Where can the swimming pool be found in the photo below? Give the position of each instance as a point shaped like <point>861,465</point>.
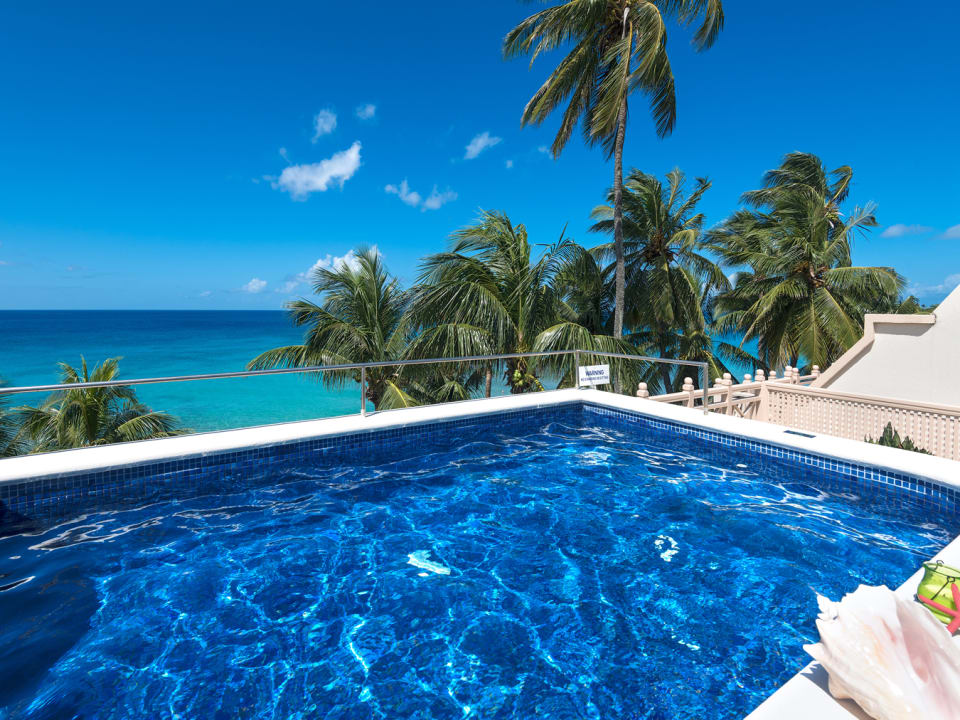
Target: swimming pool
<point>564,562</point>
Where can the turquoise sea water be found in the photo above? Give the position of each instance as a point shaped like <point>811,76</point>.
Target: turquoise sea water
<point>162,343</point>
<point>175,342</point>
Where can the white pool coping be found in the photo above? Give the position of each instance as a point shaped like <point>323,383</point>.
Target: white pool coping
<point>803,696</point>
<point>28,467</point>
<point>806,696</point>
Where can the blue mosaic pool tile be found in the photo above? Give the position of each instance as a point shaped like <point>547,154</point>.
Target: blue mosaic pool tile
<point>865,481</point>
<point>50,498</point>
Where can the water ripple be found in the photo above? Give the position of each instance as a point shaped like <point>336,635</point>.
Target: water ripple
<point>567,573</point>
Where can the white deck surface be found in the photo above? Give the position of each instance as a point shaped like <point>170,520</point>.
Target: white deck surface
<point>804,696</point>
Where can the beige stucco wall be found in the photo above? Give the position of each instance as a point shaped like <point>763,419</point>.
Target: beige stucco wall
<point>907,357</point>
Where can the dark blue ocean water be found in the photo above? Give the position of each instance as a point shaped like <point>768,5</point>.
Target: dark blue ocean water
<point>556,571</point>
<point>162,343</point>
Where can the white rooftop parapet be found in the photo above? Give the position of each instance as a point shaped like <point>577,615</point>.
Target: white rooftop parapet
<point>904,357</point>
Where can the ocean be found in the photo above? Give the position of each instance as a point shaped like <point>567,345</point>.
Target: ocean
<point>161,343</point>
<point>155,343</point>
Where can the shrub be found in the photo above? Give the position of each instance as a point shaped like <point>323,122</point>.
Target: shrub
<point>891,438</point>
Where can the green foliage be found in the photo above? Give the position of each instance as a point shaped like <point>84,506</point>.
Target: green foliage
<point>360,319</point>
<point>91,416</point>
<point>891,438</point>
<point>909,305</point>
<point>669,278</point>
<point>797,292</point>
<point>615,48</point>
<point>10,442</point>
<point>488,295</point>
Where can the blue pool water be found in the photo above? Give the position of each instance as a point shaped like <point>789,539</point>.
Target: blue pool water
<point>566,568</point>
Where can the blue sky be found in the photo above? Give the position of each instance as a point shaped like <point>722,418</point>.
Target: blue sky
<point>187,156</point>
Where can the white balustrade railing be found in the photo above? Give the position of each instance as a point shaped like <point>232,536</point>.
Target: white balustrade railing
<point>789,400</point>
<point>934,428</point>
<point>741,399</point>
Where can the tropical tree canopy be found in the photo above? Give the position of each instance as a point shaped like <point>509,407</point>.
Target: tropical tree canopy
<point>797,292</point>
<point>488,294</point>
<point>616,47</point>
<point>669,278</point>
<point>91,416</point>
<point>361,318</point>
<point>10,443</point>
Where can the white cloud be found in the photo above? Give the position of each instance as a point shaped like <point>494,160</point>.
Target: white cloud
<point>289,286</point>
<point>403,191</point>
<point>324,123</point>
<point>433,201</point>
<point>437,199</point>
<point>367,111</point>
<point>901,230</point>
<point>206,293</point>
<point>301,180</point>
<point>283,154</point>
<point>543,149</point>
<point>334,262</point>
<point>509,164</point>
<point>952,233</point>
<point>254,286</point>
<point>935,291</point>
<point>328,262</point>
<point>480,143</point>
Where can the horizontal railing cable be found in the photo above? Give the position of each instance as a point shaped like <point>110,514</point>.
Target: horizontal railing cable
<point>363,367</point>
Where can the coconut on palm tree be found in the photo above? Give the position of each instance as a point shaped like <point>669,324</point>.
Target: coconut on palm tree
<point>360,319</point>
<point>489,294</point>
<point>87,417</point>
<point>797,292</point>
<point>616,47</point>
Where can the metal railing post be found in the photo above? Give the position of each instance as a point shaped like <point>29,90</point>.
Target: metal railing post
<point>706,387</point>
<point>363,392</point>
<point>576,371</point>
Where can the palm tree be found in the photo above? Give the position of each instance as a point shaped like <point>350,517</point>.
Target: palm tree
<point>588,293</point>
<point>667,275</point>
<point>10,443</point>
<point>898,305</point>
<point>444,382</point>
<point>360,319</point>
<point>619,46</point>
<point>799,294</point>
<point>696,340</point>
<point>92,416</point>
<point>487,295</point>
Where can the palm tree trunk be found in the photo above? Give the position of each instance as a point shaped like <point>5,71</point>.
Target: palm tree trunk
<point>665,378</point>
<point>663,367</point>
<point>620,273</point>
<point>489,380</point>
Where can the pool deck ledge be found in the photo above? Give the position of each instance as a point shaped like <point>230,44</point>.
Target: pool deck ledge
<point>27,467</point>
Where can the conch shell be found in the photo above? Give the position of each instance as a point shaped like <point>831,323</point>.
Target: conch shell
<point>889,654</point>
